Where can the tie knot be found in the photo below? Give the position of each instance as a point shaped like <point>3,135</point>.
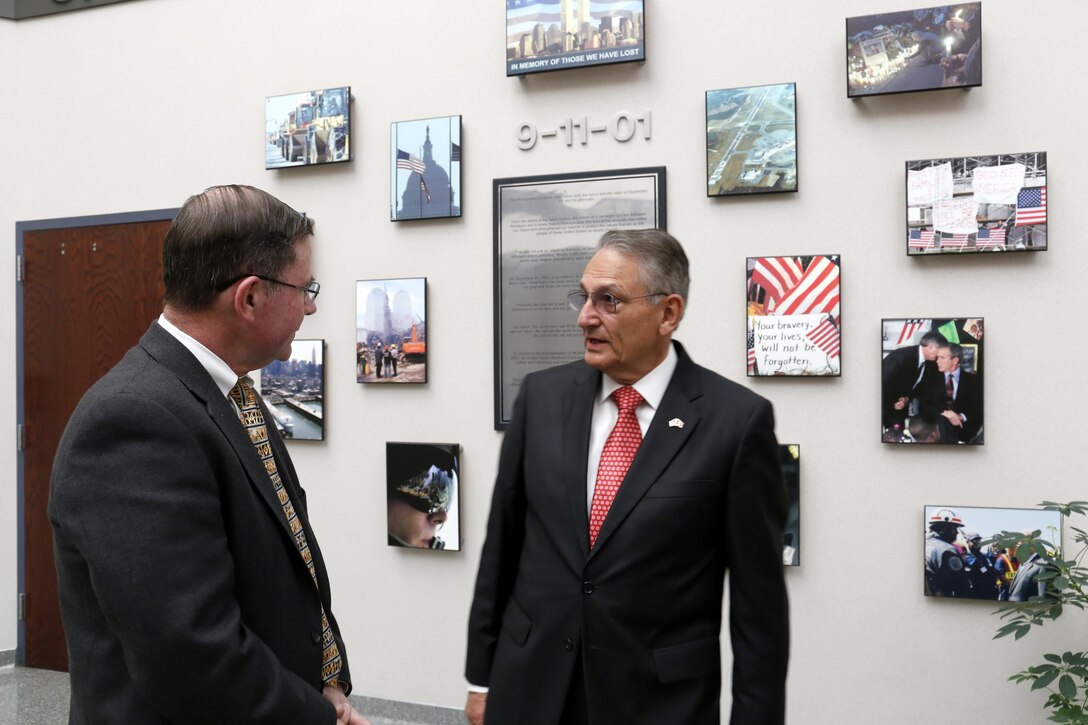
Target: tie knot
<point>627,398</point>
<point>242,393</point>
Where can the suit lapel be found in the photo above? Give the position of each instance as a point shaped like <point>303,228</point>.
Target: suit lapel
<point>171,354</point>
<point>577,417</point>
<point>659,447</point>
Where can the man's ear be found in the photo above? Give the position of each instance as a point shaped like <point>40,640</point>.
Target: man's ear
<point>246,298</point>
<point>672,312</point>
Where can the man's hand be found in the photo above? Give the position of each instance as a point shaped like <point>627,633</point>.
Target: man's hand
<point>901,403</point>
<point>345,713</point>
<point>474,708</point>
<point>953,418</point>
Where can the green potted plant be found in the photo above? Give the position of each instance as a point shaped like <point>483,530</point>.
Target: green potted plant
<point>1060,583</point>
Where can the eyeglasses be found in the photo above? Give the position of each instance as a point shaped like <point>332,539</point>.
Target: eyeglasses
<point>311,290</point>
<point>603,301</point>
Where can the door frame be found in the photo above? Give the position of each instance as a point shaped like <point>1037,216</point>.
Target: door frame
<point>21,228</point>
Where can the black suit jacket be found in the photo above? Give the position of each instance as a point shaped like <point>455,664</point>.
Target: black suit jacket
<point>183,595</point>
<point>968,402</point>
<point>900,377</point>
<point>642,609</point>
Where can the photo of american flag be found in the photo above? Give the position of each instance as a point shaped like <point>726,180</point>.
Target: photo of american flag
<point>994,203</point>
<point>793,315</point>
<point>1031,206</point>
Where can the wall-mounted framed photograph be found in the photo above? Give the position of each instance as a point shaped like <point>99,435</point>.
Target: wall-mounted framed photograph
<point>751,140</point>
<point>547,35</point>
<point>425,168</point>
<point>294,391</point>
<point>546,229</point>
<point>963,562</point>
<point>423,493</point>
<point>977,204</point>
<point>914,50</point>
<point>789,455</point>
<point>391,330</point>
<point>932,380</point>
<point>312,127</point>
<point>794,322</point>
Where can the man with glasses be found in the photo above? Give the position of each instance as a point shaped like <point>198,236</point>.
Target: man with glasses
<point>192,587</point>
<point>629,483</point>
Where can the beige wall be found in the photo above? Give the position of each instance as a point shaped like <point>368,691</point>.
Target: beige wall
<point>137,105</point>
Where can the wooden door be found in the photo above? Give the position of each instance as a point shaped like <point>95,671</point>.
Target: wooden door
<point>89,293</point>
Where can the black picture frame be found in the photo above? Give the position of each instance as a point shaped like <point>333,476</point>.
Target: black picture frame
<point>391,327</point>
<point>423,496</point>
<point>917,354</point>
<point>789,456</point>
<point>907,51</point>
<point>540,39</point>
<point>426,185</point>
<point>545,229</point>
<point>294,391</point>
<point>982,572</point>
<point>793,315</point>
<point>755,160</point>
<point>952,208</point>
<point>308,128</point>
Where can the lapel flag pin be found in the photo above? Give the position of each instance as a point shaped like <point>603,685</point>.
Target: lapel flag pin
<point>676,423</point>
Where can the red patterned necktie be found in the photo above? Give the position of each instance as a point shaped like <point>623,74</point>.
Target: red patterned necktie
<point>253,420</point>
<point>619,450</point>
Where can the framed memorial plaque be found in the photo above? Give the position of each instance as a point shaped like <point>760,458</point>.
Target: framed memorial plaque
<point>546,229</point>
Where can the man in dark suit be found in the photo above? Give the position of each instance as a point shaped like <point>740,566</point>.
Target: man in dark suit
<point>902,374</point>
<point>192,587</point>
<point>954,397</point>
<point>595,611</point>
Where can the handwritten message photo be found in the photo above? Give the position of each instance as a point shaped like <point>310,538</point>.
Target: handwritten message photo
<point>793,316</point>
<point>977,204</point>
<point>932,380</point>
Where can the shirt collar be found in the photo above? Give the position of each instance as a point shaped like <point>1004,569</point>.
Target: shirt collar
<point>651,386</point>
<point>221,373</point>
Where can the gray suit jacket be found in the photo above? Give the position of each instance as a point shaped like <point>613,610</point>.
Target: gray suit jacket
<point>643,608</point>
<point>183,594</point>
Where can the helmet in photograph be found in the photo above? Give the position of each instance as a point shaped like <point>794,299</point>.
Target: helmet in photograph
<point>945,517</point>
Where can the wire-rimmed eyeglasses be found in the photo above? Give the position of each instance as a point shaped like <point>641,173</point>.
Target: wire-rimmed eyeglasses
<point>311,290</point>
<point>603,301</point>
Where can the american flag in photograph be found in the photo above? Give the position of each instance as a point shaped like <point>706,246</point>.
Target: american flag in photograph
<point>423,188</point>
<point>910,329</point>
<point>826,336</point>
<point>816,291</point>
<point>1031,206</point>
<point>751,350</point>
<point>408,161</point>
<point>455,151</point>
<point>955,241</point>
<point>523,15</point>
<point>777,275</point>
<point>920,239</point>
<point>989,238</point>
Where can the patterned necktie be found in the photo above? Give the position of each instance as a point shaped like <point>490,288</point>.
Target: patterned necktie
<point>949,389</point>
<point>619,450</point>
<point>253,420</point>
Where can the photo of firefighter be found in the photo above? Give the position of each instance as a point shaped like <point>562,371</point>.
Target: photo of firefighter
<point>422,495</point>
<point>965,560</point>
<point>312,127</point>
<point>790,458</point>
<point>932,381</point>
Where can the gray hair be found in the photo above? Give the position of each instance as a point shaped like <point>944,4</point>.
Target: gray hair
<point>662,264</point>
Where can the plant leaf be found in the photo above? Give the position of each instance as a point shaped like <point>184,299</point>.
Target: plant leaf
<point>1067,687</point>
